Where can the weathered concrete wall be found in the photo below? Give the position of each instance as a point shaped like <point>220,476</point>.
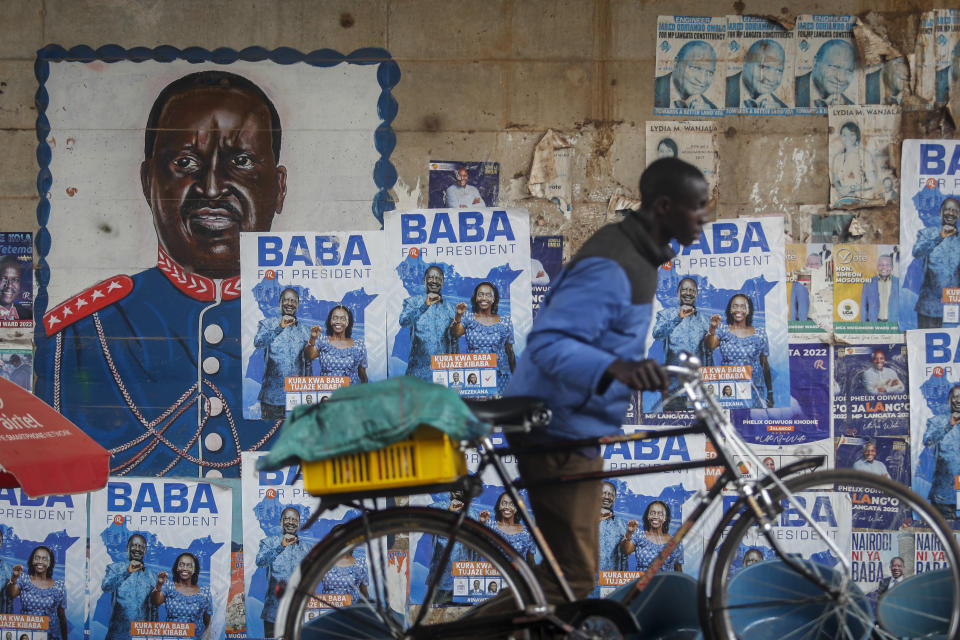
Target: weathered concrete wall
<point>481,81</point>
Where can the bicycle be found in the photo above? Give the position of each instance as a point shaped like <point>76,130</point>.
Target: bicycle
<point>785,595</point>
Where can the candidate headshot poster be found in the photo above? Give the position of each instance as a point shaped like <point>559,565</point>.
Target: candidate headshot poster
<point>463,185</point>
<point>458,296</point>
<point>314,312</point>
<point>879,560</point>
<point>866,288</point>
<point>783,435</point>
<point>690,66</point>
<point>827,69</point>
<point>723,299</point>
<point>760,66</point>
<point>809,291</point>
<point>930,245</point>
<point>47,538</point>
<point>871,388</point>
<point>16,280</point>
<point>151,318</point>
<point>693,141</point>
<point>275,505</point>
<point>934,442</point>
<point>159,559</point>
<point>546,261</point>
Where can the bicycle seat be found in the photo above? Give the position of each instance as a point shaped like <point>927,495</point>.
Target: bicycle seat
<point>527,411</point>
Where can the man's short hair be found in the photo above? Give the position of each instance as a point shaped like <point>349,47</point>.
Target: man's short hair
<point>15,361</point>
<point>876,351</point>
<point>136,535</point>
<point>757,48</point>
<point>690,280</point>
<point>667,177</point>
<point>9,261</point>
<point>292,290</point>
<point>212,79</point>
<point>942,204</point>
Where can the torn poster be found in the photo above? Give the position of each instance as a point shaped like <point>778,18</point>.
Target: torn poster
<point>761,57</point>
<point>862,142</point>
<point>550,171</point>
<point>809,291</point>
<point>689,69</point>
<point>694,141</point>
<point>826,67</point>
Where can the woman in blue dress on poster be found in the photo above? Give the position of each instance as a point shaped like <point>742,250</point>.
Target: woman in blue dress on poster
<point>40,594</point>
<point>339,353</point>
<point>507,523</point>
<point>743,344</point>
<point>347,577</point>
<point>648,544</point>
<point>186,601</point>
<point>486,330</point>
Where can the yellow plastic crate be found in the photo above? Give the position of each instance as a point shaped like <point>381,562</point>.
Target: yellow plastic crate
<point>428,457</point>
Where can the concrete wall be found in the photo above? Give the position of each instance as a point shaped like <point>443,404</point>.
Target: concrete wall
<point>481,81</point>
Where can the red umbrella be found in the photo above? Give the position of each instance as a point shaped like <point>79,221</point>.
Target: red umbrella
<point>43,452</point>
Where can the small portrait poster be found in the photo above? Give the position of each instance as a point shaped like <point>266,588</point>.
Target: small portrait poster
<point>929,213</point>
<point>871,385</point>
<point>463,185</point>
<point>694,141</point>
<point>458,296</point>
<point>760,67</point>
<point>827,69</point>
<point>16,280</point>
<point>690,66</point>
<point>948,53</point>
<point>546,260</point>
<point>723,299</point>
<point>313,316</point>
<point>861,141</point>
<point>159,559</point>
<point>16,365</point>
<point>275,504</point>
<point>880,560</point>
<point>934,412</point>
<point>866,288</point>
<point>809,290</point>
<point>43,541</point>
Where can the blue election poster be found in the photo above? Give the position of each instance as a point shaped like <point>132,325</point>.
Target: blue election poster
<point>458,296</point>
<point>546,260</point>
<point>930,244</point>
<point>159,559</point>
<point>463,185</point>
<point>44,542</point>
<point>313,317</point>
<point>870,390</point>
<point>724,299</point>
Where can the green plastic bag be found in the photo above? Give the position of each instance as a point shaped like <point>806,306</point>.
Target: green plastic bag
<point>367,417</point>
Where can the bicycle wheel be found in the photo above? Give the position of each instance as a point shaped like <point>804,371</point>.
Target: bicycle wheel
<point>371,580</point>
<point>875,523</point>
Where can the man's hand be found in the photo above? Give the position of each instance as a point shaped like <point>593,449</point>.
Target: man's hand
<point>433,298</point>
<point>288,539</point>
<point>134,566</point>
<point>642,375</point>
<point>686,310</point>
<point>287,321</point>
<point>948,230</point>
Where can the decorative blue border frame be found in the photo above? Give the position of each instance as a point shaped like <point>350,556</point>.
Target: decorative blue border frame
<point>384,139</point>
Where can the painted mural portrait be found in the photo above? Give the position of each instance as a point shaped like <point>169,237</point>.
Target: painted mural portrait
<point>148,361</point>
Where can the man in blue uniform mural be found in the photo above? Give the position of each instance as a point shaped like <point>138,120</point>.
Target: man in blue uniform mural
<point>149,365</point>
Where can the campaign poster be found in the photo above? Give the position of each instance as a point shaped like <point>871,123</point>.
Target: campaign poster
<point>948,53</point>
<point>929,210</point>
<point>866,288</point>
<point>832,512</point>
<point>885,456</point>
<point>783,435</point>
<point>546,261</point>
<point>641,504</point>
<point>690,66</point>
<point>930,554</point>
<point>694,141</point>
<point>458,296</point>
<point>313,316</point>
<point>809,291</point>
<point>236,618</point>
<point>275,504</point>
<point>151,318</point>
<point>47,538</point>
<point>861,141</point>
<point>159,559</point>
<point>925,58</point>
<point>888,81</point>
<point>759,67</point>
<point>16,365</point>
<point>724,299</point>
<point>871,387</point>
<point>934,442</point>
<point>879,560</point>
<point>466,579</point>
<point>16,280</point>
<point>827,69</point>
<point>830,227</point>
<point>463,185</point>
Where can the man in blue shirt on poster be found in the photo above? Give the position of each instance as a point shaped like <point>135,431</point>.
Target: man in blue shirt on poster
<point>682,328</point>
<point>283,341</point>
<point>280,555</point>
<point>944,438</point>
<point>428,317</point>
<point>586,359</point>
<point>128,583</point>
<point>939,249</point>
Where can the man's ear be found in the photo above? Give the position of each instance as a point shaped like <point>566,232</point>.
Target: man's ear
<point>662,205</point>
<point>281,188</point>
<point>145,180</point>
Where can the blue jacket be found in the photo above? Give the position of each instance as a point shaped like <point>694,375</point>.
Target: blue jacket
<point>870,300</point>
<point>598,310</point>
<point>799,302</point>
